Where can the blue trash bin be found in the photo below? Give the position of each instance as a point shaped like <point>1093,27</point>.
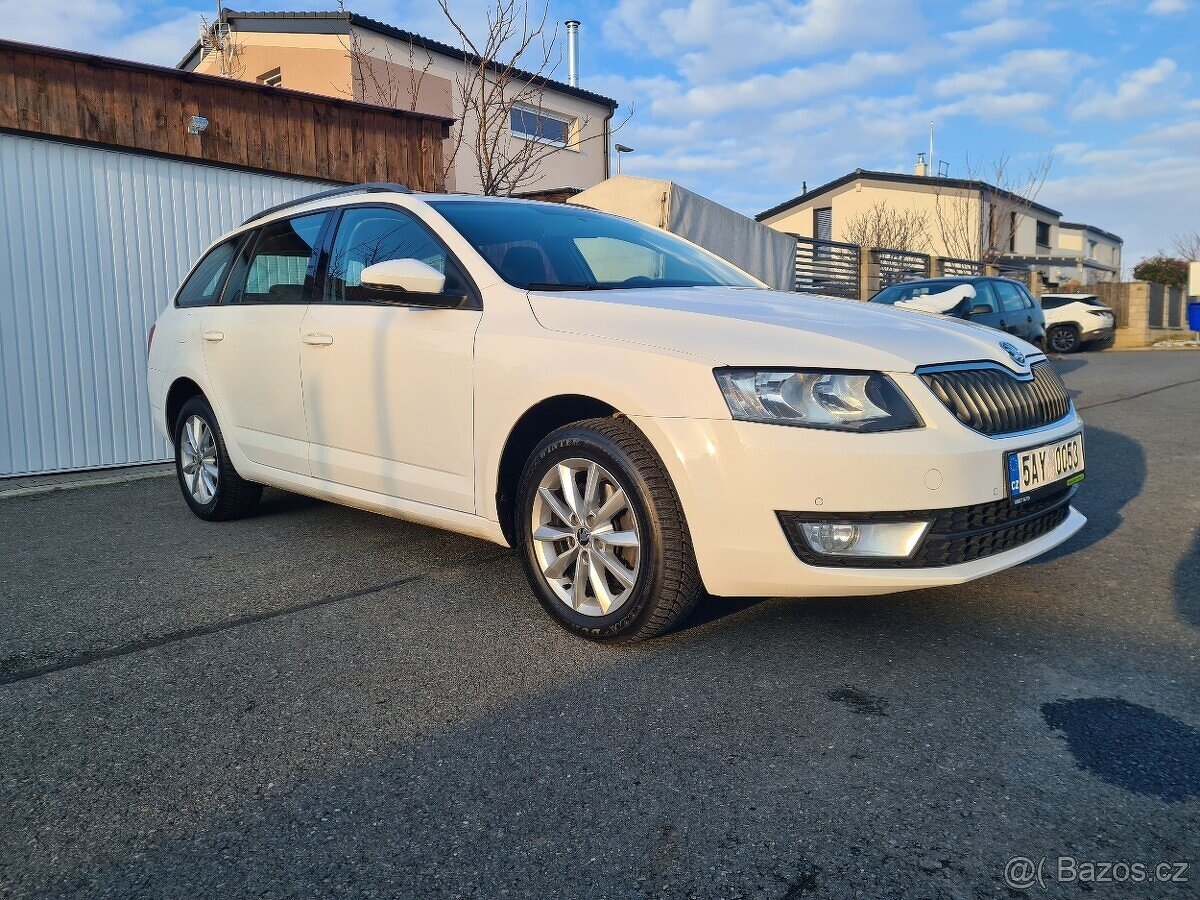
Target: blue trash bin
<point>1194,316</point>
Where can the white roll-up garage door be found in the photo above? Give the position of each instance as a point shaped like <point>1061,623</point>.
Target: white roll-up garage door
<point>93,243</point>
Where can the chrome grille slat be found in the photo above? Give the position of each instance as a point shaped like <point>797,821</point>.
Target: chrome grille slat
<point>993,401</point>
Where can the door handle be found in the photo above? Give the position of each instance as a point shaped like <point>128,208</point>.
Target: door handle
<point>317,339</point>
<point>213,336</point>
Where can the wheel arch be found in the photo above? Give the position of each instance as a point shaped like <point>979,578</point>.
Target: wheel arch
<point>526,433</point>
<point>181,391</point>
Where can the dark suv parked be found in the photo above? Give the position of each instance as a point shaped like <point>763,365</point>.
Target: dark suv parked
<point>999,302</point>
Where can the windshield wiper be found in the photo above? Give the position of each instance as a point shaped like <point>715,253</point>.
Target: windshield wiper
<point>547,286</point>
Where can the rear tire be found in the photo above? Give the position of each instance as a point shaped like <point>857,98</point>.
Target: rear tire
<point>1063,339</point>
<point>211,486</point>
<point>639,576</point>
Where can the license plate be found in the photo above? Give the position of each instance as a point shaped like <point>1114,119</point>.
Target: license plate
<point>1030,471</point>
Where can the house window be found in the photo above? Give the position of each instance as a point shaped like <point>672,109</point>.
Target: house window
<point>1091,249</point>
<point>823,223</point>
<point>1043,234</point>
<point>1012,232</point>
<point>272,78</point>
<point>539,125</point>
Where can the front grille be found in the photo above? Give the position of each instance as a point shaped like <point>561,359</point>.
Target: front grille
<point>993,401</point>
<point>957,535</point>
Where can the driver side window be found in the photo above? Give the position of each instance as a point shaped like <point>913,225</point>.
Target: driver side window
<point>984,296</point>
<point>367,235</point>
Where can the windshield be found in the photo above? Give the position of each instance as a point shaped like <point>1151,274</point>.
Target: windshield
<point>539,246</point>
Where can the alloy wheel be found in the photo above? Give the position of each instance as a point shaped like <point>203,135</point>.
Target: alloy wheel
<point>1063,340</point>
<point>586,537</point>
<point>198,459</point>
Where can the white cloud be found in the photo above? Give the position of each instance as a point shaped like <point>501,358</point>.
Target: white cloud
<point>989,9</point>
<point>993,34</point>
<point>1167,7</point>
<point>76,24</point>
<point>709,38</point>
<point>1140,92</point>
<point>1017,67</point>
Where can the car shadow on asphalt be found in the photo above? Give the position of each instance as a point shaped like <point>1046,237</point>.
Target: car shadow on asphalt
<point>1116,474</point>
<point>1065,365</point>
<point>1187,585</point>
<point>281,503</point>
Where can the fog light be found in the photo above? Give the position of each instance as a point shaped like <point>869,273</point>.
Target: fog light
<point>895,539</point>
<point>831,537</point>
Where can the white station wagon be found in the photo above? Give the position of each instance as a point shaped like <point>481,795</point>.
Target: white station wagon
<point>642,421</point>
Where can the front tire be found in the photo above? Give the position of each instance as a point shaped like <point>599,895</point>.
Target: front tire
<point>603,538</point>
<point>1063,339</point>
<point>211,486</point>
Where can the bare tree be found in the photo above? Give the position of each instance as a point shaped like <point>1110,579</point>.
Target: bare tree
<point>503,76</point>
<point>381,79</point>
<point>881,225</point>
<point>1186,246</point>
<point>985,232</point>
<point>504,73</point>
<point>217,38</point>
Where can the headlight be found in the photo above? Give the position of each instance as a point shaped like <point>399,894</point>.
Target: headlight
<point>845,401</point>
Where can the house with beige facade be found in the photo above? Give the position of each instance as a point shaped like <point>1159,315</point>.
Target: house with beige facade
<point>963,218</point>
<point>345,55</point>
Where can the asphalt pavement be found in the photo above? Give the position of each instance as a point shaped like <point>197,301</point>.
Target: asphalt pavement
<point>322,702</point>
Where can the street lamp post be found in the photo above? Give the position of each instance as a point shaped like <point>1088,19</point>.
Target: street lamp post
<point>621,148</point>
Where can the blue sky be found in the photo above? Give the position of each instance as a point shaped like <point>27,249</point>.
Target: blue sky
<point>743,100</point>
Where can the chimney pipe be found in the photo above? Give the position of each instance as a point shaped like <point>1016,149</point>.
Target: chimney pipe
<point>573,53</point>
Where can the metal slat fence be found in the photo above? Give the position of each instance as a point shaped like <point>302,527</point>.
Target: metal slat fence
<point>961,267</point>
<point>896,266</point>
<point>827,267</point>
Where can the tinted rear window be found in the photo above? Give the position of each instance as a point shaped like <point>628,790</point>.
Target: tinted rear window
<point>204,284</point>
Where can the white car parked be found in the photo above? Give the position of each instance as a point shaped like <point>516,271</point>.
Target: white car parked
<point>641,420</point>
<point>1074,321</point>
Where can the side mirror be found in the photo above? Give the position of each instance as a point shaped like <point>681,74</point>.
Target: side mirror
<point>408,275</point>
<point>980,309</point>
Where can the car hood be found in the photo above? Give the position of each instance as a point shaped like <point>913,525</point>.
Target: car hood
<point>747,327</point>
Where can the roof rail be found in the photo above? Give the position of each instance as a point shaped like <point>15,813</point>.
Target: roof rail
<point>367,187</point>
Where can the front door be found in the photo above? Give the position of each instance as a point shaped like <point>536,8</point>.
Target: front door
<point>388,390</point>
<point>985,296</point>
<point>252,344</point>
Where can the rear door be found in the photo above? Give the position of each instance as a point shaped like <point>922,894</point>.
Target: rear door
<point>1016,311</point>
<point>252,343</point>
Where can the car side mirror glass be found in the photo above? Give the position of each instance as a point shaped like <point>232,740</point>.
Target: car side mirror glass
<point>980,309</point>
<point>403,275</point>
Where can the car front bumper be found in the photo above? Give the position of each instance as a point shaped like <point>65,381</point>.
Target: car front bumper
<point>735,479</point>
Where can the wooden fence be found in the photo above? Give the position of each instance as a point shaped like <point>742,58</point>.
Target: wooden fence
<point>109,102</point>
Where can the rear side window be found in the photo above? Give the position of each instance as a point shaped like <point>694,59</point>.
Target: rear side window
<point>1011,299</point>
<point>1053,303</point>
<point>278,265</point>
<point>204,284</point>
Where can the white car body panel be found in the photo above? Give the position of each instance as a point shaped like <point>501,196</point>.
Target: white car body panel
<point>1080,314</point>
<point>407,410</point>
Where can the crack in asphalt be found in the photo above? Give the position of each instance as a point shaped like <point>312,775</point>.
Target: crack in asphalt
<point>1165,387</point>
<point>133,647</point>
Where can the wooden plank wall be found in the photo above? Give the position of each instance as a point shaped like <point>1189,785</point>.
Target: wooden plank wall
<point>57,93</point>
